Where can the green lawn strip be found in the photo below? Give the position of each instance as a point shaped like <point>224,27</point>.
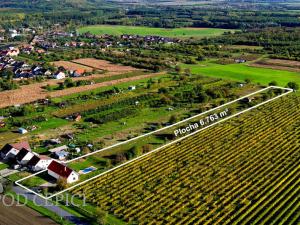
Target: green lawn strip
<point>45,212</point>
<point>92,104</point>
<point>3,166</point>
<point>108,78</point>
<point>240,72</point>
<point>121,76</point>
<point>87,162</point>
<point>52,123</point>
<point>139,30</point>
<point>17,176</point>
<point>146,115</point>
<point>124,85</point>
<point>32,182</point>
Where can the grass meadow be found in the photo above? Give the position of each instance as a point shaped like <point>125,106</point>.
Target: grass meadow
<point>240,72</point>
<point>177,32</point>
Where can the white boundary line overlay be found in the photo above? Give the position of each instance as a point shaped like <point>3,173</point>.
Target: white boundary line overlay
<point>289,90</point>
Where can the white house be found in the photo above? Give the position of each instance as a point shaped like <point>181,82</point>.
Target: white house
<point>58,170</point>
<point>24,156</point>
<point>11,150</point>
<point>38,163</point>
<point>59,75</point>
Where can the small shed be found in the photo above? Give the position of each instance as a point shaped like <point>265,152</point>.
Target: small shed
<point>58,149</point>
<point>61,155</point>
<point>131,88</point>
<point>22,130</point>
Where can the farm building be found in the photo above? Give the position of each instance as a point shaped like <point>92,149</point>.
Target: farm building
<point>58,149</point>
<point>24,156</point>
<point>38,163</point>
<point>11,150</point>
<point>58,171</point>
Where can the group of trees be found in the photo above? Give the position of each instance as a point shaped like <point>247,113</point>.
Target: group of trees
<point>6,80</point>
<point>74,13</point>
<point>279,42</point>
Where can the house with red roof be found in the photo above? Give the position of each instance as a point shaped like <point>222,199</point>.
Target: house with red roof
<point>11,52</point>
<point>78,73</point>
<point>38,163</point>
<point>58,170</point>
<point>10,151</point>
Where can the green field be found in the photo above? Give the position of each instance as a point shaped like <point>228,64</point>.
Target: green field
<point>240,72</point>
<point>177,32</point>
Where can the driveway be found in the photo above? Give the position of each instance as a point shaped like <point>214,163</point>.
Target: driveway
<point>7,172</point>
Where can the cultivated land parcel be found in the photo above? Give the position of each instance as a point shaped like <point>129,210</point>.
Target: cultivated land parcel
<point>240,172</point>
<point>216,116</point>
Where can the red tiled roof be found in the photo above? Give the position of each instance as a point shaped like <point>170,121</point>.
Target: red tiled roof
<point>60,169</point>
<point>80,71</point>
<point>21,145</point>
<point>44,157</point>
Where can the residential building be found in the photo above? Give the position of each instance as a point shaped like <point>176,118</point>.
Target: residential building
<point>11,150</point>
<point>58,171</point>
<point>59,75</point>
<point>38,163</point>
<point>24,156</point>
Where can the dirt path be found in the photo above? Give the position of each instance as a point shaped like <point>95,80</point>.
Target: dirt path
<point>33,92</point>
<point>275,67</point>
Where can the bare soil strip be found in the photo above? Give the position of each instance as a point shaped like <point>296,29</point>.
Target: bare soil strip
<point>278,64</point>
<point>71,66</point>
<point>21,215</point>
<point>103,65</point>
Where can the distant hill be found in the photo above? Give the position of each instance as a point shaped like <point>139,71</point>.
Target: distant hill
<point>92,4</point>
<point>50,4</point>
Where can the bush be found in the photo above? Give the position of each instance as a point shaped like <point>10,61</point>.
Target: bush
<point>293,85</point>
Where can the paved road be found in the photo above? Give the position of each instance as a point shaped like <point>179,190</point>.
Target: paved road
<point>38,200</point>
